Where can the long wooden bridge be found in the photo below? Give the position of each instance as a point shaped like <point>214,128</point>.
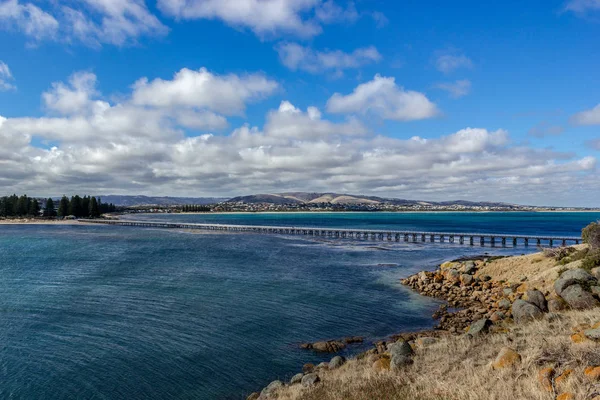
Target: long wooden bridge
<point>386,235</point>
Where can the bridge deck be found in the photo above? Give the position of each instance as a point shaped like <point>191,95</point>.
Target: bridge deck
<point>346,232</point>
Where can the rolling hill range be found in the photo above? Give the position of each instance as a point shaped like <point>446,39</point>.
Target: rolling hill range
<point>336,198</point>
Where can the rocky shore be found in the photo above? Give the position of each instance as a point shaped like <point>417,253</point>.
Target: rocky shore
<point>484,299</point>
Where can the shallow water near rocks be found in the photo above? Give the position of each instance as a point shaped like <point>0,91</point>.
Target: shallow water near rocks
<point>114,312</point>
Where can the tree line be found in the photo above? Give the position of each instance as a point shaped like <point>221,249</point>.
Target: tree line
<point>77,206</point>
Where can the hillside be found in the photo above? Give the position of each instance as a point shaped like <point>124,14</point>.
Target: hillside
<point>337,198</point>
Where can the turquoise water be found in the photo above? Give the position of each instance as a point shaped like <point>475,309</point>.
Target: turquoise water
<point>524,223</point>
<point>113,312</point>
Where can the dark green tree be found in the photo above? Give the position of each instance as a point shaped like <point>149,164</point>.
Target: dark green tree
<point>63,207</point>
<point>94,210</point>
<point>75,208</point>
<point>22,206</point>
<point>34,208</point>
<point>49,210</point>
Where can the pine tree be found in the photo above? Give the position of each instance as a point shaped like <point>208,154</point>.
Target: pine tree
<point>63,207</point>
<point>34,208</point>
<point>85,207</point>
<point>94,209</point>
<point>49,209</point>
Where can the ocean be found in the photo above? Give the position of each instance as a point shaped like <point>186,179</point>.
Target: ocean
<point>103,312</point>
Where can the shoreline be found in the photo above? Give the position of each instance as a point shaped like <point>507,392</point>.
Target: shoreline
<point>41,222</point>
<point>484,300</point>
<point>368,212</point>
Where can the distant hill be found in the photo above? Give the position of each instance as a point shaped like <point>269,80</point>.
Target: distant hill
<point>130,201</point>
<point>336,198</point>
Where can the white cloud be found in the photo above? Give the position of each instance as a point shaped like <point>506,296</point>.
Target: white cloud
<point>456,89</point>
<point>115,22</point>
<point>5,78</point>
<point>266,18</point>
<point>330,12</point>
<point>297,57</point>
<point>92,22</point>
<point>29,19</point>
<point>382,97</point>
<point>101,147</point>
<point>587,117</point>
<point>450,60</point>
<point>226,94</point>
<point>74,98</point>
<point>582,6</point>
<point>289,121</point>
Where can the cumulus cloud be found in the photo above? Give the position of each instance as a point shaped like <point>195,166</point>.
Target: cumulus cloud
<point>99,147</point>
<point>456,89</point>
<point>289,121</point>
<point>383,98</point>
<point>266,18</point>
<point>587,117</point>
<point>5,78</point>
<point>92,22</point>
<point>74,97</point>
<point>449,61</point>
<point>297,57</point>
<point>226,94</point>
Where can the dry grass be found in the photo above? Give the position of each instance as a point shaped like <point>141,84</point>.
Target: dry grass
<point>541,271</point>
<point>458,368</point>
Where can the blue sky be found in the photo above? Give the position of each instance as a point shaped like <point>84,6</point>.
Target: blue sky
<point>214,98</point>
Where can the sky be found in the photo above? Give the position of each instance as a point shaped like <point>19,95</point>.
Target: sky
<point>428,100</point>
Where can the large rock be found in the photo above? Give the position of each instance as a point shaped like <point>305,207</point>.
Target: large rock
<point>383,364</point>
<point>400,348</point>
<point>596,273</point>
<point>578,298</point>
<point>296,378</point>
<point>556,305</point>
<point>507,358</point>
<point>398,362</point>
<point>572,277</point>
<point>523,311</point>
<point>336,362</point>
<point>453,275</point>
<point>537,298</point>
<point>466,279</point>
<point>479,327</point>
<point>592,334</point>
<point>310,379</point>
<point>331,346</point>
<point>470,268</point>
<point>269,391</point>
<point>504,304</point>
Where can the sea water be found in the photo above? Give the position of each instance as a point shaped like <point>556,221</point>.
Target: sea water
<point>105,312</point>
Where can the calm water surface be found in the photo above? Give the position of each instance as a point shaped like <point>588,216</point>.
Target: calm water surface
<point>100,312</point>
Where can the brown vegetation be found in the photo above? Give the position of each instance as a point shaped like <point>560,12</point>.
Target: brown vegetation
<point>460,368</point>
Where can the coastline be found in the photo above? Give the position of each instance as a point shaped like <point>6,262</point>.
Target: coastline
<point>487,296</point>
<point>372,212</point>
<point>40,222</point>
